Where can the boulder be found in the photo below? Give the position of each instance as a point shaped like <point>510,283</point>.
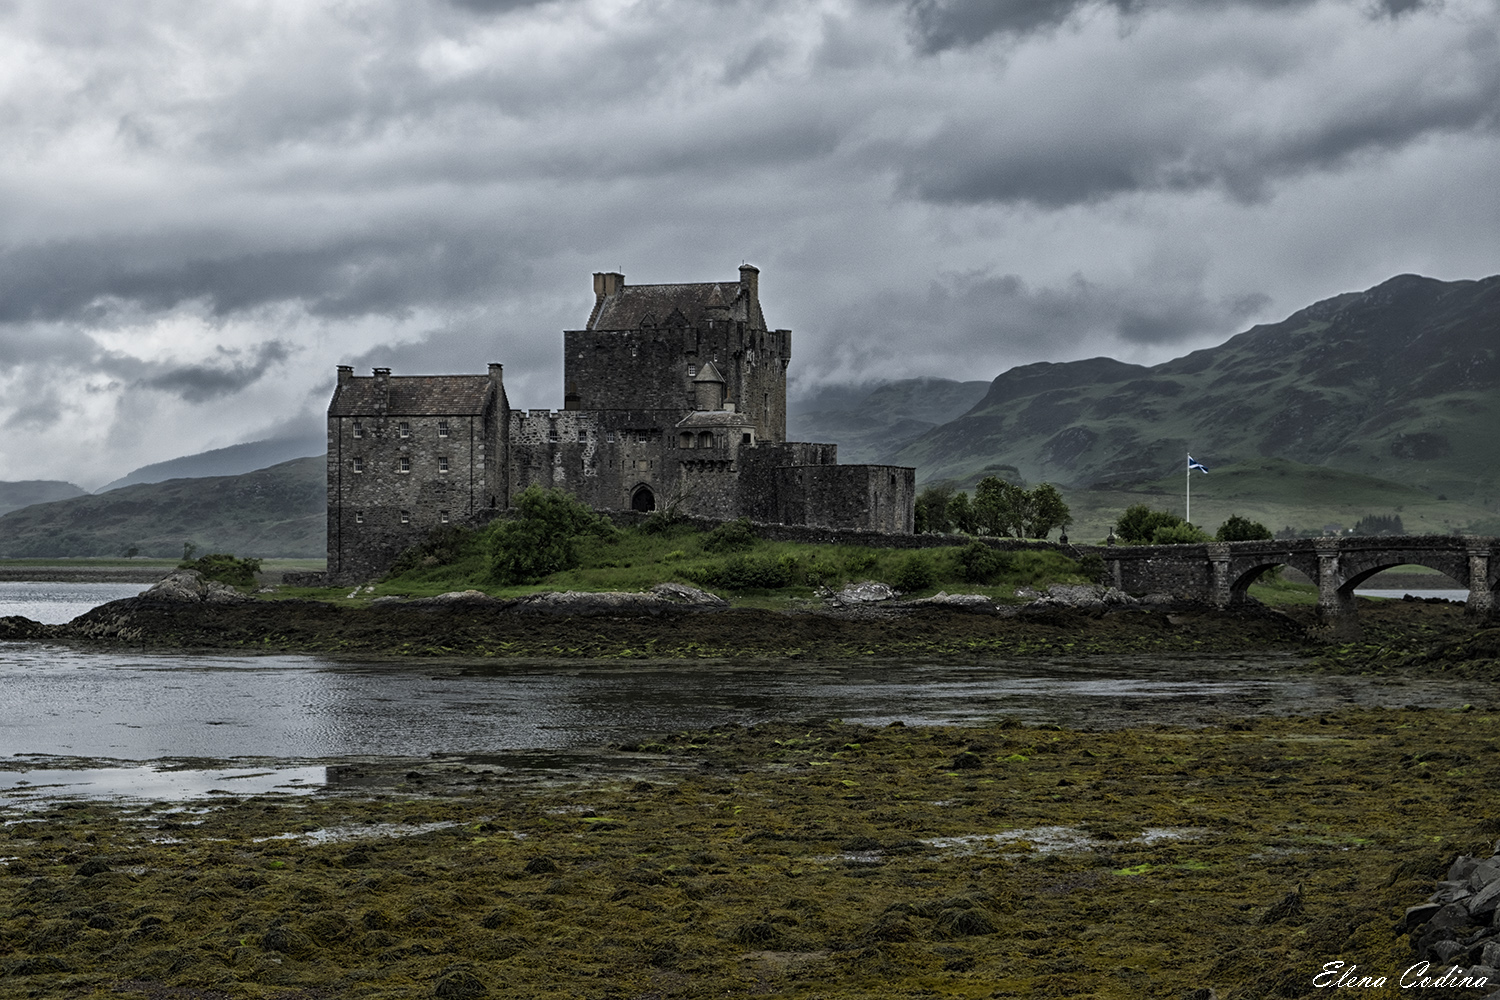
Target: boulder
<point>188,586</point>
<point>864,592</point>
<point>691,597</point>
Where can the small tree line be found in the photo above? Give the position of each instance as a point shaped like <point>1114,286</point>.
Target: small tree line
<point>997,508</point>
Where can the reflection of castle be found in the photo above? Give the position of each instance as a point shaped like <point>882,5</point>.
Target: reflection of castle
<point>673,395</point>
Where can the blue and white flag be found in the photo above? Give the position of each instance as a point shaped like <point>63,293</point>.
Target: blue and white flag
<point>1197,465</point>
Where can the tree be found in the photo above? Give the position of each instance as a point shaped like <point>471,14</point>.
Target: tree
<point>540,539</point>
<point>961,514</point>
<point>1046,510</point>
<point>999,507</point>
<point>1380,524</point>
<point>1138,525</point>
<point>1241,529</point>
<point>932,509</point>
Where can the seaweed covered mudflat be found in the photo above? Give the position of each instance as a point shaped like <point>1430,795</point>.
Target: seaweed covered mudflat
<point>816,860</point>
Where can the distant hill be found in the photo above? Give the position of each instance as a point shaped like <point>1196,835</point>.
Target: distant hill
<point>275,512</point>
<point>870,423</point>
<point>1400,382</point>
<point>234,460</point>
<point>30,491</point>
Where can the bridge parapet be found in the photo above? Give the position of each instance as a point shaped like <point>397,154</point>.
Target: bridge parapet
<point>1221,572</point>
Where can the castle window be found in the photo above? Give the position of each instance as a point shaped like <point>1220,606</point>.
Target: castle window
<point>442,428</point>
<point>583,435</point>
<point>745,438</point>
<point>405,465</point>
<point>405,429</point>
<point>443,516</point>
<point>692,371</point>
<point>359,517</point>
<point>359,429</point>
<point>552,433</point>
<point>443,463</point>
<point>406,517</point>
<point>359,465</point>
<point>685,439</point>
<point>706,439</point>
<point>609,436</point>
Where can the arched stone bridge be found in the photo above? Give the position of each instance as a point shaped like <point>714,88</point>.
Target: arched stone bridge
<point>1221,572</point>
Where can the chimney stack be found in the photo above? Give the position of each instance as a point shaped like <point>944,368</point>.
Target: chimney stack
<point>346,372</point>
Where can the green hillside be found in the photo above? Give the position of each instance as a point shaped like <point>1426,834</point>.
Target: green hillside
<point>1281,494</point>
<point>1400,382</point>
<point>14,496</point>
<point>274,512</point>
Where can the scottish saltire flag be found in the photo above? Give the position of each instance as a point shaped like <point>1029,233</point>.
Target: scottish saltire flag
<point>1197,465</point>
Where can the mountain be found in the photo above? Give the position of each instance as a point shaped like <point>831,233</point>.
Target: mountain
<point>280,511</point>
<point>22,494</point>
<point>234,460</point>
<point>1400,382</point>
<point>871,422</point>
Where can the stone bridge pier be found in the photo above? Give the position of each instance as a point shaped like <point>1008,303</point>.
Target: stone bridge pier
<point>1220,573</point>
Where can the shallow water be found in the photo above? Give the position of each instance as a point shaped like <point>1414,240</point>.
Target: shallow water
<point>80,722</point>
<point>55,603</point>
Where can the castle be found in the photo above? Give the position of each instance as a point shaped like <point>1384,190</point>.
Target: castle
<point>673,396</point>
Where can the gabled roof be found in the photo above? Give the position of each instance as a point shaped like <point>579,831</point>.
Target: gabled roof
<point>668,305</point>
<point>413,396</point>
<point>710,373</point>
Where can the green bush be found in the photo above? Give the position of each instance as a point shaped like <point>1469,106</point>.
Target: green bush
<point>1139,524</point>
<point>225,568</point>
<point>915,572</point>
<point>443,546</point>
<point>1241,529</point>
<point>978,563</point>
<point>540,539</point>
<point>1180,533</point>
<point>746,572</point>
<point>732,536</point>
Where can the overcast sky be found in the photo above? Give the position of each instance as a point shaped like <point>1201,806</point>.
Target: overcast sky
<point>205,207</point>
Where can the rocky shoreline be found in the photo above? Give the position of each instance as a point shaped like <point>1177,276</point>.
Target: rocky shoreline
<point>673,620</point>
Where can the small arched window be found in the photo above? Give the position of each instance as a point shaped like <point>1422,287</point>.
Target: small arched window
<point>706,439</point>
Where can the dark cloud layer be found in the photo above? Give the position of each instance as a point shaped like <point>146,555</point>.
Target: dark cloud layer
<point>207,209</point>
<point>944,24</point>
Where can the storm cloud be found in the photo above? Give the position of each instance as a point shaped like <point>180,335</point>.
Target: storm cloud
<point>205,209</point>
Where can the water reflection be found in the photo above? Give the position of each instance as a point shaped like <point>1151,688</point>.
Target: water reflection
<point>136,707</point>
<point>55,603</point>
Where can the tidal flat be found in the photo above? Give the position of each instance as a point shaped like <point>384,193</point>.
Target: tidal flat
<point>812,860</point>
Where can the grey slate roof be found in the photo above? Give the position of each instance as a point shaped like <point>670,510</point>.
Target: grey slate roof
<point>627,308</point>
<point>413,396</point>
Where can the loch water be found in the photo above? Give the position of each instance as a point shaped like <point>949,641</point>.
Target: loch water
<point>208,719</point>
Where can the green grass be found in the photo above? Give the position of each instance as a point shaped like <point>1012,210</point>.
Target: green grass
<point>634,560</point>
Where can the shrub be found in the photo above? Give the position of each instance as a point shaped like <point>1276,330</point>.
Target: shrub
<point>978,563</point>
<point>914,573</point>
<point>731,536</point>
<point>443,546</point>
<point>539,540</point>
<point>1240,529</point>
<point>745,572</point>
<point>1180,533</point>
<point>225,568</point>
<point>1091,567</point>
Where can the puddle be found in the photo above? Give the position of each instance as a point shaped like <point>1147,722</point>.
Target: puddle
<point>43,786</point>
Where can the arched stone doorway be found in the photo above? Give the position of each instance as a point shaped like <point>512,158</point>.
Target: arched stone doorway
<point>643,499</point>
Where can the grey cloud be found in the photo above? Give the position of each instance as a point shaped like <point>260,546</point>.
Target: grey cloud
<point>35,414</point>
<point>938,25</point>
<point>349,275</point>
<point>1154,143</point>
<point>202,383</point>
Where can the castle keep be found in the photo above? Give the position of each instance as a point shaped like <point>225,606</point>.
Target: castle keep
<point>673,396</point>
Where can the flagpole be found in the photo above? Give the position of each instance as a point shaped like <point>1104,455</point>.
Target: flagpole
<point>1189,518</point>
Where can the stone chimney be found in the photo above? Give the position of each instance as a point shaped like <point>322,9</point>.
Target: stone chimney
<point>382,390</point>
<point>607,283</point>
<point>346,372</point>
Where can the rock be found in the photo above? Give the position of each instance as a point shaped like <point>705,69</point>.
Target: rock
<point>188,586</point>
<point>682,594</point>
<point>864,592</point>
<point>1067,595</point>
<point>575,602</point>
<point>1486,900</point>
<point>1462,865</point>
<point>1485,873</point>
<point>1416,916</point>
<point>962,602</point>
